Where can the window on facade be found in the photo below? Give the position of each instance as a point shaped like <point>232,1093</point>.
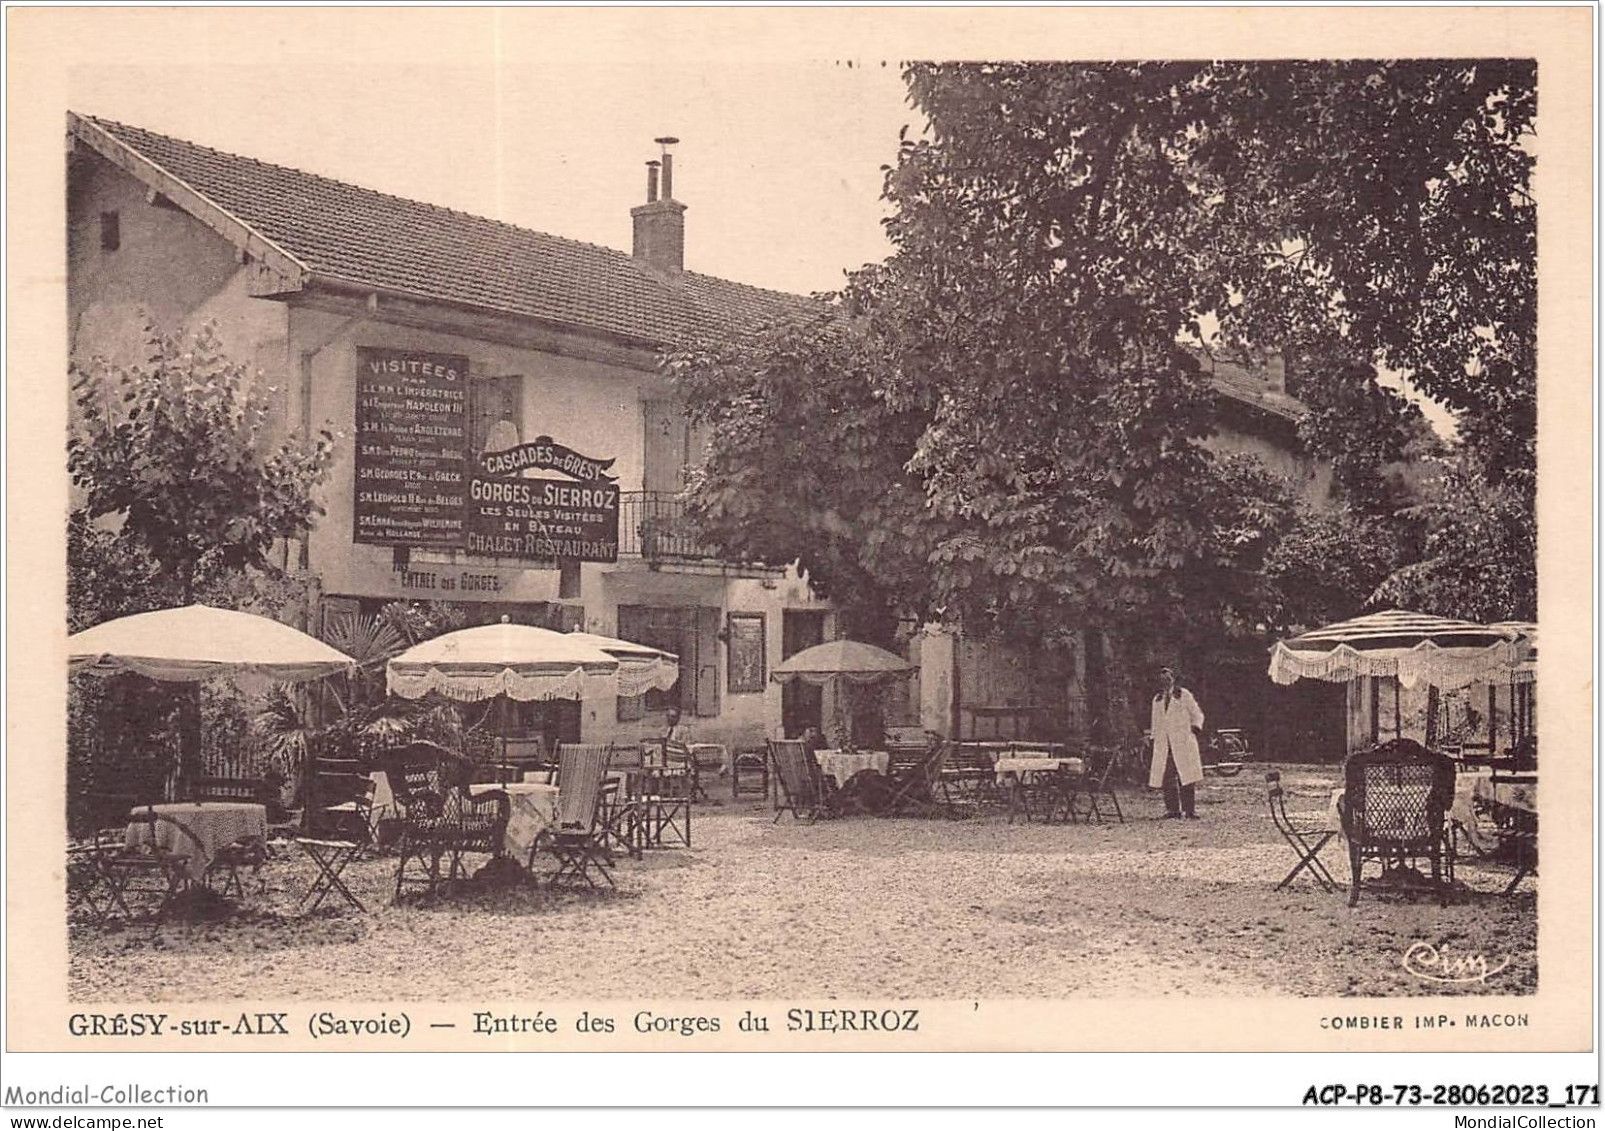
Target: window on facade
<point>496,412</point>
<point>111,233</point>
<point>568,580</point>
<point>673,445</point>
<point>689,632</point>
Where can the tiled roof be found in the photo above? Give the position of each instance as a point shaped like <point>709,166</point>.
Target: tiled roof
<point>1249,386</point>
<point>338,231</point>
<point>343,232</point>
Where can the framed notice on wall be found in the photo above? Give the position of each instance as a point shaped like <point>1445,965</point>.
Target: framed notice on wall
<point>746,651</point>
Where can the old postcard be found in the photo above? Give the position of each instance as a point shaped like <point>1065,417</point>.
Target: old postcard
<point>807,530</point>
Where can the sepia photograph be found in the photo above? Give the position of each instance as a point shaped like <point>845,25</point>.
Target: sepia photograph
<point>838,531</point>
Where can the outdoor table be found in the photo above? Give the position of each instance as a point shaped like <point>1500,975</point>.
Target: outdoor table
<point>384,802</point>
<point>532,810</point>
<point>215,825</point>
<point>1018,769</point>
<point>1471,789</point>
<point>842,765</point>
<point>1020,766</point>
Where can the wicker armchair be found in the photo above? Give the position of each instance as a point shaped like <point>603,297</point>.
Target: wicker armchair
<point>441,819</point>
<point>1396,798</point>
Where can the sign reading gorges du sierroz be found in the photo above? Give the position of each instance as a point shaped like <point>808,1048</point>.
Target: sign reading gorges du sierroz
<point>543,519</point>
<point>411,449</point>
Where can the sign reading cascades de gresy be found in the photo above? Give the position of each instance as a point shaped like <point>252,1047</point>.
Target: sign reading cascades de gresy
<point>413,482</point>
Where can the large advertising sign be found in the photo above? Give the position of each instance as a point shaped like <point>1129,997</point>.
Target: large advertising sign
<point>417,487</point>
<point>543,519</point>
<point>411,449</point>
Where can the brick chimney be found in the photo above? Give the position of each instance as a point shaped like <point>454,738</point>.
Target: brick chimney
<point>660,223</point>
<point>1276,373</point>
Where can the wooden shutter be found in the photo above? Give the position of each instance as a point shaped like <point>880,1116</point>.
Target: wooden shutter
<point>664,451</point>
<point>495,399</point>
<point>706,638</point>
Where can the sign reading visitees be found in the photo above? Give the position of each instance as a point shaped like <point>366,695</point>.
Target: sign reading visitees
<point>411,449</point>
<point>543,518</point>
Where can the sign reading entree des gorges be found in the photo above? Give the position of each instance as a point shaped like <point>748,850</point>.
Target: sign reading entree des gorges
<point>417,486</point>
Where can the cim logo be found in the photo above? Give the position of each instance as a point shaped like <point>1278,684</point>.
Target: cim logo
<point>1435,964</point>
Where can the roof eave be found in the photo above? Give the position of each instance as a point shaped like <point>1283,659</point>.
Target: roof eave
<point>291,274</point>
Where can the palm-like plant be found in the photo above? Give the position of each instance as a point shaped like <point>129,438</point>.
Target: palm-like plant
<point>357,712</point>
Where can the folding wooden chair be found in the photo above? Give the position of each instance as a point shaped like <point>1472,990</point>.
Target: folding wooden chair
<point>335,827</point>
<point>251,852</point>
<point>970,776</point>
<point>802,789</point>
<point>1305,836</point>
<point>1045,795</point>
<point>579,843</point>
<point>668,785</point>
<point>622,807</point>
<point>1097,784</point>
<point>915,785</point>
<point>163,868</point>
<point>745,766</point>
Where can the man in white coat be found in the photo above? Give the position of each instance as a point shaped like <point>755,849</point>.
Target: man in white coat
<point>1176,723</point>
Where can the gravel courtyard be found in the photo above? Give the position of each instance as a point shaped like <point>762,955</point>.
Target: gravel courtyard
<point>854,908</point>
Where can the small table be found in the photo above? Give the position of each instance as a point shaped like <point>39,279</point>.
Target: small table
<point>1018,770</point>
<point>843,765</point>
<point>1029,765</point>
<point>532,810</point>
<point>213,824</point>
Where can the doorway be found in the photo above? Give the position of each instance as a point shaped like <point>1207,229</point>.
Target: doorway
<point>802,705</point>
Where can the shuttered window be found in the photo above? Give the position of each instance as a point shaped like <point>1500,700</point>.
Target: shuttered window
<point>690,633</point>
<point>496,407</point>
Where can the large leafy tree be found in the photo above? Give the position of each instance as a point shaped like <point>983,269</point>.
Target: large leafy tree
<point>1065,237</point>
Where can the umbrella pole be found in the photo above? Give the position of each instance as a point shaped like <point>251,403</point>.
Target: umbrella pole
<point>1398,723</point>
<point>501,713</point>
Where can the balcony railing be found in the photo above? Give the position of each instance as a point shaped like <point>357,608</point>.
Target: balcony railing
<point>654,525</point>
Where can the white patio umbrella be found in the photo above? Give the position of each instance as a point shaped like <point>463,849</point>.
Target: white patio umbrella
<point>519,661</point>
<point>642,668</point>
<point>850,664</point>
<point>199,642</point>
<point>1410,647</point>
<point>841,660</point>
<point>515,661</point>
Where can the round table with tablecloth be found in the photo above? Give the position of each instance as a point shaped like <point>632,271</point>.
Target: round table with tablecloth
<point>1471,791</point>
<point>1025,766</point>
<point>842,766</point>
<point>532,810</point>
<point>211,825</point>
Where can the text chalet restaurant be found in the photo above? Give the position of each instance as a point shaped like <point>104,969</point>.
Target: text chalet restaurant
<point>506,442</point>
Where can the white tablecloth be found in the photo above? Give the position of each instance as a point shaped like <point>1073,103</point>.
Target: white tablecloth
<point>841,765</point>
<point>1470,789</point>
<point>384,802</point>
<point>213,823</point>
<point>532,810</point>
<point>1028,765</point>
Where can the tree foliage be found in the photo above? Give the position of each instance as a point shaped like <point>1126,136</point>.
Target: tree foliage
<point>1002,422</point>
<point>178,474</point>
